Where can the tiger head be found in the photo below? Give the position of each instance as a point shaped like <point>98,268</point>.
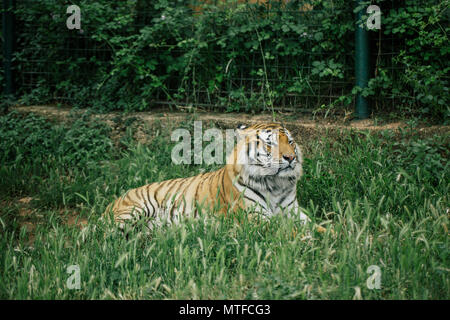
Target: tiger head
<point>267,150</point>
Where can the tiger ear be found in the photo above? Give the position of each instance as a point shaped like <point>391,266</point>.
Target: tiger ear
<point>241,127</point>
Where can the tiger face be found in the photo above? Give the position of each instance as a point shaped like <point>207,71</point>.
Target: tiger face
<point>268,151</point>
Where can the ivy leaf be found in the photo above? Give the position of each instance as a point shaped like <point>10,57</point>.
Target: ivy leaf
<point>318,36</point>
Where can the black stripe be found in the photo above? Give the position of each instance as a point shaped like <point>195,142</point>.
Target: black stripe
<point>156,194</point>
<point>195,195</point>
<point>171,198</point>
<point>150,202</point>
<point>284,198</point>
<point>223,186</point>
<point>174,194</point>
<point>169,186</point>
<point>255,191</point>
<point>198,185</point>
<point>290,203</point>
<point>250,199</point>
<point>186,182</point>
<point>258,194</point>
<point>137,194</point>
<point>145,202</point>
<point>161,184</point>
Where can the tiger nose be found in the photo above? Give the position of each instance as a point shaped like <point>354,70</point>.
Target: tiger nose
<point>289,157</point>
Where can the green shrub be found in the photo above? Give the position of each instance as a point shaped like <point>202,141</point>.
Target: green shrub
<point>32,138</point>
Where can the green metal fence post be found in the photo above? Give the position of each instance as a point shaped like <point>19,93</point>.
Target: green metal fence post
<point>8,44</point>
<point>361,63</point>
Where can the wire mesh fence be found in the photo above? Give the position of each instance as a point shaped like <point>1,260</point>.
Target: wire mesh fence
<point>219,55</point>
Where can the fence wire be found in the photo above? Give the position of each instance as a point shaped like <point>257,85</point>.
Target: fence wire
<point>228,55</point>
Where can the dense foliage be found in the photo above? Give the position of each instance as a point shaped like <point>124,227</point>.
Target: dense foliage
<point>34,138</point>
<point>240,57</point>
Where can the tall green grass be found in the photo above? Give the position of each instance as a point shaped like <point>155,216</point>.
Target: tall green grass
<point>383,199</point>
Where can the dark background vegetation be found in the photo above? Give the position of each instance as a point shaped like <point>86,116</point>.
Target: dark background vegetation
<point>227,55</point>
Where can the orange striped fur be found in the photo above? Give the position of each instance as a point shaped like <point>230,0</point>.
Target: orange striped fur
<point>269,185</point>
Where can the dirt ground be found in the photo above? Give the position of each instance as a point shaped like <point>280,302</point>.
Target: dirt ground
<point>29,217</point>
<point>303,126</point>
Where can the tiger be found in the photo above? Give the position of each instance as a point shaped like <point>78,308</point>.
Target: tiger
<point>260,175</point>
